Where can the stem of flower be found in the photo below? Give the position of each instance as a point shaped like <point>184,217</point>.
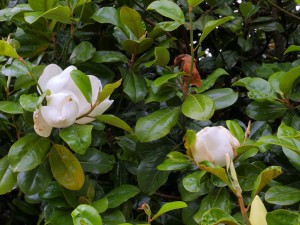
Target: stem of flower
<point>243,209</point>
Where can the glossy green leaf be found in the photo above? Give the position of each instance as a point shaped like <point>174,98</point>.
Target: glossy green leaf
<point>96,162</point>
<point>165,78</point>
<point>83,83</point>
<point>29,102</point>
<point>36,180</point>
<point>114,121</point>
<point>77,136</point>
<point>42,5</point>
<point>100,205</point>
<point>58,216</point>
<point>268,139</point>
<point>198,107</point>
<point>109,57</point>
<point>86,214</point>
<point>282,217</point>
<point>289,79</point>
<point>218,199</point>
<point>168,25</point>
<point>282,195</point>
<point>292,48</point>
<point>157,124</point>
<point>236,130</point>
<point>82,52</point>
<point>134,86</point>
<point>217,216</point>
<point>265,110</point>
<point>168,9</point>
<point>7,14</point>
<point>248,9</point>
<point>193,3</point>
<point>247,174</point>
<point>211,25</point>
<point>293,157</point>
<point>211,79</point>
<point>264,178</point>
<point>137,46</point>
<point>59,13</point>
<point>149,177</point>
<point>8,179</point>
<point>162,57</point>
<point>66,168</point>
<point>10,107</point>
<point>192,182</point>
<point>107,15</point>
<point>274,80</point>
<point>168,207</point>
<point>16,69</point>
<point>175,161</point>
<point>115,217</point>
<point>108,90</point>
<point>223,97</point>
<point>7,50</point>
<point>121,194</point>
<point>132,20</point>
<point>28,152</point>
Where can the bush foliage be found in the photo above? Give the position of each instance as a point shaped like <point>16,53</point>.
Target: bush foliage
<point>172,68</point>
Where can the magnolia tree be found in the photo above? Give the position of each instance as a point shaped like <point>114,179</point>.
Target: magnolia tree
<point>149,112</point>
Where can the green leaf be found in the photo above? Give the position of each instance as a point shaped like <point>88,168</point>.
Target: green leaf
<point>264,178</point>
<point>66,168</point>
<point>133,20</point>
<point>192,182</point>
<point>289,79</point>
<point>211,79</point>
<point>157,124</point>
<point>162,57</point>
<point>134,86</point>
<point>165,78</point>
<point>10,107</point>
<point>265,110</point>
<point>42,5</point>
<point>96,162</point>
<point>82,52</point>
<point>8,13</point>
<point>223,97</point>
<point>36,180</point>
<point>175,161</point>
<point>194,3</point>
<point>217,199</point>
<point>108,90</point>
<point>198,107</point>
<point>236,130</point>
<point>7,50</point>
<point>277,141</point>
<point>16,69</point>
<point>217,216</point>
<point>86,214</point>
<point>59,13</point>
<point>137,46</point>
<point>83,83</point>
<point>29,102</point>
<point>8,179</point>
<point>107,15</point>
<point>115,217</point>
<point>292,48</point>
<point>77,136</point>
<point>168,25</point>
<point>28,152</point>
<point>100,205</point>
<point>109,57</point>
<point>121,194</point>
<point>114,121</point>
<point>211,25</point>
<point>274,80</point>
<point>168,9</point>
<point>282,217</point>
<point>248,9</point>
<point>168,207</point>
<point>247,174</point>
<point>283,195</point>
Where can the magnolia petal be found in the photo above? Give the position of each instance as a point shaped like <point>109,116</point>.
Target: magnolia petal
<point>96,87</point>
<point>233,141</point>
<point>49,72</point>
<point>58,100</point>
<point>41,127</point>
<point>101,108</point>
<point>57,83</point>
<point>63,118</point>
<point>84,120</point>
<point>200,155</point>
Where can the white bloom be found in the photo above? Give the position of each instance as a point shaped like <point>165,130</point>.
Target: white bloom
<point>212,144</point>
<point>66,103</point>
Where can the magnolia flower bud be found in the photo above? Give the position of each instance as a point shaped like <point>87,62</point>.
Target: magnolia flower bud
<point>212,144</point>
<point>66,104</point>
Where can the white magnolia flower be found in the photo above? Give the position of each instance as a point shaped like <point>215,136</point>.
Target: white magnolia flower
<point>212,144</point>
<point>66,104</point>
